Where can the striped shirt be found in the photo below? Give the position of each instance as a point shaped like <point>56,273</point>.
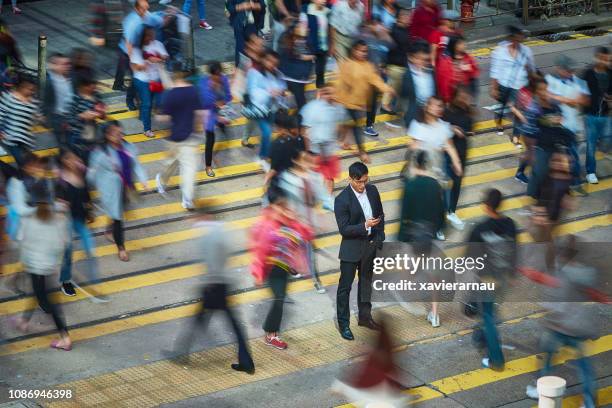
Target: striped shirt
<point>17,119</point>
<point>78,106</point>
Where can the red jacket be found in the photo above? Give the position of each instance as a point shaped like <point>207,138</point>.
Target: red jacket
<point>424,21</point>
<point>449,74</point>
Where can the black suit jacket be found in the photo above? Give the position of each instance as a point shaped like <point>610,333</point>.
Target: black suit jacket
<point>351,222</point>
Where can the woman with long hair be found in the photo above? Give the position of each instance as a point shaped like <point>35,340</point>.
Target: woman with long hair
<point>215,93</point>
<point>112,169</point>
<point>429,132</point>
<point>456,67</point>
<point>459,114</point>
<point>145,61</point>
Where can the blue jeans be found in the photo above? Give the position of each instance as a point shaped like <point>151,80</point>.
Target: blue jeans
<point>146,102</point>
<point>80,228</point>
<point>575,164</point>
<point>551,345</point>
<point>266,134</point>
<point>491,337</point>
<point>201,8</point>
<point>597,127</point>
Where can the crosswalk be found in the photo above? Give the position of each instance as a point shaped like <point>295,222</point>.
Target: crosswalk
<point>159,237</point>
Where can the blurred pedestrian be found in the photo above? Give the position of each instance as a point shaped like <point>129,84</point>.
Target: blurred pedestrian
<point>277,245</point>
<point>357,77</point>
<point>598,122</point>
<point>113,168</point>
<point>316,14</point>
<point>296,61</point>
<point>86,110</point>
<point>249,57</point>
<point>461,115</point>
<point>182,107</point>
<point>74,192</point>
<point>285,147</point>
<point>429,132</point>
<point>283,13</point>
<point>59,91</point>
<point>19,111</point>
<point>456,67</point>
<point>146,59</point>
<point>16,10</point>
<point>201,13</point>
<point>213,248</point>
<point>425,19</point>
<point>361,222</point>
<point>422,212</point>
<point>265,90</point>
<point>495,237</point>
<point>511,64</point>
<point>247,19</point>
<point>386,12</point>
<point>440,37</point>
<point>44,237</point>
<point>418,83</point>
<point>216,95</point>
<point>345,20</point>
<point>321,119</point>
<point>397,61</point>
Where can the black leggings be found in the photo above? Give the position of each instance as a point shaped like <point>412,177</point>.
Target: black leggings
<point>278,283</point>
<point>210,146</point>
<point>39,286</point>
<point>355,114</point>
<point>320,64</point>
<point>298,90</point>
<point>118,234</point>
<point>461,147</point>
<point>371,115</point>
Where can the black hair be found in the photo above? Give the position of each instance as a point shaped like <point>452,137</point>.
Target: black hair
<point>513,31</point>
<point>421,159</point>
<point>57,55</point>
<point>420,114</point>
<point>357,170</point>
<point>84,80</point>
<point>493,199</point>
<point>419,46</point>
<point>602,50</point>
<point>284,120</point>
<point>275,193</point>
<point>142,35</point>
<point>25,78</point>
<point>215,68</point>
<point>451,47</point>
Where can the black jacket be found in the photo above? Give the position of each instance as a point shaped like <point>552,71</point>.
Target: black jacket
<point>238,19</point>
<point>409,93</point>
<point>597,106</point>
<point>398,54</point>
<point>351,222</point>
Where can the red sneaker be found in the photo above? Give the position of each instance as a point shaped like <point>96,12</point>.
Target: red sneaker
<point>275,341</point>
<point>203,24</point>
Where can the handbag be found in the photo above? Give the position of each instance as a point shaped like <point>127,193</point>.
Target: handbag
<point>253,112</point>
<point>156,86</point>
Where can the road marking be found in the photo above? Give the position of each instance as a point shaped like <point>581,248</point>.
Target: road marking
<point>604,398</point>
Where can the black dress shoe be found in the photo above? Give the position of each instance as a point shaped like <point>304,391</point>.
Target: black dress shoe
<point>370,324</point>
<point>248,370</point>
<point>346,333</point>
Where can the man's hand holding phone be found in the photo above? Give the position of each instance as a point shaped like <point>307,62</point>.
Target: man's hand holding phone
<point>372,222</point>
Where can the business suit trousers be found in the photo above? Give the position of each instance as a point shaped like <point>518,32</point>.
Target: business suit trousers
<point>364,286</point>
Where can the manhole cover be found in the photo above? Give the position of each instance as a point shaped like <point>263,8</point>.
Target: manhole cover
<point>554,37</point>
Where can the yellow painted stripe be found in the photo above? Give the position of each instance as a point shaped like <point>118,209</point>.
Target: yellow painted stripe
<point>134,322</point>
<point>190,271</point>
<point>480,377</point>
<point>604,398</point>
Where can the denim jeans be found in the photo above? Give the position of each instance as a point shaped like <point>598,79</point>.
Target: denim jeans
<point>146,102</point>
<point>575,164</point>
<point>266,134</point>
<point>201,8</point>
<point>80,228</point>
<point>596,127</point>
<point>539,169</point>
<point>551,345</point>
<point>491,337</point>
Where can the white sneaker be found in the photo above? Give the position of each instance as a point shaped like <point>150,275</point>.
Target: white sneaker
<point>440,236</point>
<point>532,392</point>
<point>591,178</point>
<point>265,166</point>
<point>455,221</point>
<point>485,362</point>
<point>160,186</point>
<point>433,319</point>
<point>188,205</point>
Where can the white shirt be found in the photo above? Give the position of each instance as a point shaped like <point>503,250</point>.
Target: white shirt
<point>346,20</point>
<point>570,88</point>
<point>509,71</point>
<point>433,137</point>
<point>151,73</point>
<point>424,87</point>
<point>322,120</point>
<point>63,92</point>
<point>364,202</point>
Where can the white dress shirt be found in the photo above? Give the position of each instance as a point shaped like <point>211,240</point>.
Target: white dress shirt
<point>364,202</point>
<point>511,71</point>
<point>570,88</point>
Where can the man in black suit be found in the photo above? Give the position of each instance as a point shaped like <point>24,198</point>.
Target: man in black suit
<point>361,222</point>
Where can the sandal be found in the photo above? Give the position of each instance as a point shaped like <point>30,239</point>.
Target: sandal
<point>109,236</point>
<point>364,157</point>
<point>210,172</point>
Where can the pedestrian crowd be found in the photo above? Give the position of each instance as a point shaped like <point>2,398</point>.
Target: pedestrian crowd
<point>409,64</point>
